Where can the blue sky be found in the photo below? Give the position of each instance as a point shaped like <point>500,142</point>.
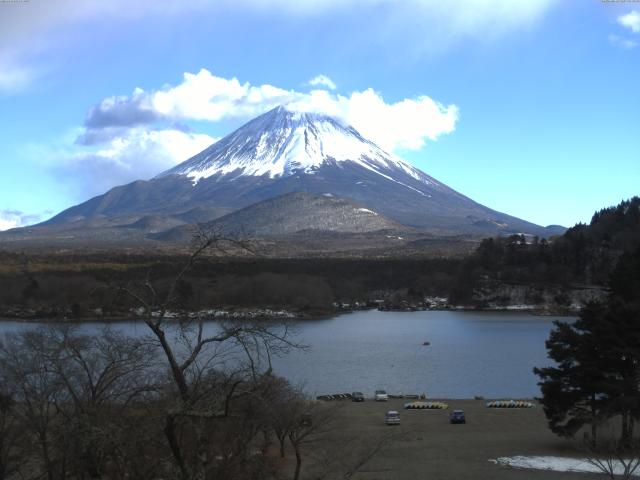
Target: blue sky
<point>531,108</point>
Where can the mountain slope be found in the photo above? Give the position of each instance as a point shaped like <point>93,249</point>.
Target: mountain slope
<point>295,212</point>
<point>284,151</point>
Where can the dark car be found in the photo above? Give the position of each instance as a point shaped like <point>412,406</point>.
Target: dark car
<point>457,416</point>
<point>357,397</point>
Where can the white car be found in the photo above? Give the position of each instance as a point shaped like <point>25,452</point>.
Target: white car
<point>380,396</point>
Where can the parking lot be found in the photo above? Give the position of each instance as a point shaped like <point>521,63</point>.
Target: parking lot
<point>426,445</point>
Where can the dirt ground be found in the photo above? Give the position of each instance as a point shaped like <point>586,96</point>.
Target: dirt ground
<point>427,446</point>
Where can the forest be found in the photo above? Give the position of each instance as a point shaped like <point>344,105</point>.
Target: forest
<point>83,285</point>
<point>585,255</point>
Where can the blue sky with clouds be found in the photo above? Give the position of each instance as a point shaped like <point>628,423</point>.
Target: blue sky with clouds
<point>531,108</point>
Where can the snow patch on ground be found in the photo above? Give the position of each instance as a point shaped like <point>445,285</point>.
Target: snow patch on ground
<point>366,210</point>
<point>555,464</point>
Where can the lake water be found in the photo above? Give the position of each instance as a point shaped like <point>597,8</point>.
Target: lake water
<point>470,353</point>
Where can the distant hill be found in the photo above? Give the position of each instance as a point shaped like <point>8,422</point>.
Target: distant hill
<point>290,214</point>
<point>300,211</point>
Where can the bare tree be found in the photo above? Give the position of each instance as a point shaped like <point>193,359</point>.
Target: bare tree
<point>38,393</point>
<point>614,457</point>
<point>211,367</point>
<point>101,375</point>
<point>281,409</point>
<point>9,434</point>
<point>309,421</point>
<point>71,390</point>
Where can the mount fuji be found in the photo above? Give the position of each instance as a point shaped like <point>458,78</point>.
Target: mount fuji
<point>275,155</point>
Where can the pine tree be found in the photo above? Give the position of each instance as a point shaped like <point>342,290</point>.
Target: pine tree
<point>573,393</point>
<point>597,372</point>
<point>621,330</point>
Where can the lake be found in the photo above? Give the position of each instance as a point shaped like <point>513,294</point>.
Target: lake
<point>470,353</point>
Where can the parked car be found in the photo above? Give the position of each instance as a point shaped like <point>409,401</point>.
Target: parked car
<point>457,416</point>
<point>392,417</point>
<point>380,396</point>
<point>357,397</point>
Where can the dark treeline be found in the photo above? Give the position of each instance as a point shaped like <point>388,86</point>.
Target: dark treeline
<point>584,255</point>
<point>78,285</point>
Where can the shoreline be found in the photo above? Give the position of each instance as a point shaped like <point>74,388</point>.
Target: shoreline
<point>230,314</point>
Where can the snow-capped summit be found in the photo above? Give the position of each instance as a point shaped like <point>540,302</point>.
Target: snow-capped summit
<point>284,141</point>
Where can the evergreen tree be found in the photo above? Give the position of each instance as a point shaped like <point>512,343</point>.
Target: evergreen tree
<point>621,331</point>
<point>597,372</point>
<point>573,393</point>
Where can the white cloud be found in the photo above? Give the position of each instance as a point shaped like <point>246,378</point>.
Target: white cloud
<point>170,146</point>
<point>631,21</point>
<point>405,124</point>
<point>136,154</point>
<point>15,218</point>
<point>322,81</point>
<point>8,221</point>
<point>622,42</point>
<point>200,96</point>
<point>203,96</point>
